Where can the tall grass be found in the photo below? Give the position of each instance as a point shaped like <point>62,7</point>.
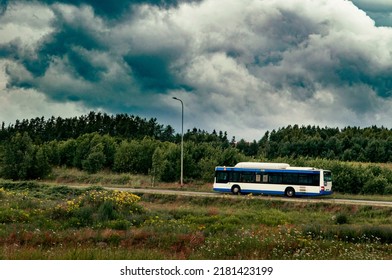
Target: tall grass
<point>73,176</point>
<point>49,222</point>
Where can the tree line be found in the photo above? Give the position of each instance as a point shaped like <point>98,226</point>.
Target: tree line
<point>120,125</point>
<point>371,144</point>
<point>21,159</point>
<point>122,143</point>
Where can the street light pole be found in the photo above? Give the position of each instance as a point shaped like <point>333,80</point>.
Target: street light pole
<point>182,141</point>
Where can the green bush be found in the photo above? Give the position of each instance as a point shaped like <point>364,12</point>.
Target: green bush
<point>341,219</point>
<point>121,224</point>
<point>13,215</point>
<point>351,233</point>
<point>135,156</point>
<point>388,189</point>
<point>107,211</point>
<point>380,233</point>
<point>375,185</point>
<point>95,161</point>
<point>2,193</point>
<point>166,162</point>
<point>84,215</point>
<point>22,160</point>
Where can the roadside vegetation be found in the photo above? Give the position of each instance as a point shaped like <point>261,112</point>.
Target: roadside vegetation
<point>39,221</point>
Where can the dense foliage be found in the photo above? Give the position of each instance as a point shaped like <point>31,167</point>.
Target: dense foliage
<point>371,144</point>
<point>92,152</point>
<point>121,125</point>
<point>123,143</point>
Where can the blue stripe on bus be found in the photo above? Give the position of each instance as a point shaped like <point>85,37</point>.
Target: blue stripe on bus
<point>274,192</point>
<point>263,192</point>
<point>250,191</point>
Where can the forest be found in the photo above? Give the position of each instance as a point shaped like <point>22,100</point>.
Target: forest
<point>29,149</point>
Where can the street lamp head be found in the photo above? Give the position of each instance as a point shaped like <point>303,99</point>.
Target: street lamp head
<point>178,99</point>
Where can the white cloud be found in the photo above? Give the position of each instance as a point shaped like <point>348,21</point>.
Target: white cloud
<point>240,66</point>
<point>18,104</point>
<point>27,22</point>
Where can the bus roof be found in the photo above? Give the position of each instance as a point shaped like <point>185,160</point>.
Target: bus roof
<point>262,165</point>
<point>266,166</point>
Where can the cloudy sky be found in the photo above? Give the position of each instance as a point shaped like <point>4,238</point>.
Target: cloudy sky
<point>239,66</point>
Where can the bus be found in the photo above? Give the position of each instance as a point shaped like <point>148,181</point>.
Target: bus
<point>272,179</point>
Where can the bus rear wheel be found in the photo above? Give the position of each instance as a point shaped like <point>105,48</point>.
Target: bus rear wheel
<point>289,192</point>
<point>236,189</point>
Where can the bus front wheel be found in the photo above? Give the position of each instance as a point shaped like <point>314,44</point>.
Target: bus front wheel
<point>236,189</point>
<point>289,192</point>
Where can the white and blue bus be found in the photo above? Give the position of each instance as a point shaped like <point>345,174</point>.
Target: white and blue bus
<point>272,179</point>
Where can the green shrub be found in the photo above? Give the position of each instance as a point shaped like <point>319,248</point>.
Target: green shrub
<point>13,215</point>
<point>375,185</point>
<point>341,219</point>
<point>135,156</point>
<point>380,233</point>
<point>107,211</point>
<point>94,162</point>
<point>121,224</point>
<point>62,192</point>
<point>388,189</point>
<point>84,215</point>
<point>351,233</point>
<point>2,193</point>
<point>22,160</point>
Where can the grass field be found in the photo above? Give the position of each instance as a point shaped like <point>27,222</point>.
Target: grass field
<point>72,176</point>
<point>53,221</point>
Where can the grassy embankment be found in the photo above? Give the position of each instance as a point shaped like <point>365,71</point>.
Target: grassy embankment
<point>52,221</point>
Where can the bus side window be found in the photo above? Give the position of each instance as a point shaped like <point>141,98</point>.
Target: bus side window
<point>316,179</point>
<point>235,176</point>
<point>248,177</point>
<point>289,178</point>
<point>304,179</point>
<point>275,178</point>
<point>265,178</point>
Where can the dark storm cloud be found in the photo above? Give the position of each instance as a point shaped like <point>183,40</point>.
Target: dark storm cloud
<point>67,41</point>
<point>379,10</point>
<point>383,6</point>
<point>77,38</point>
<point>152,71</point>
<point>114,9</point>
<point>275,61</point>
<point>292,61</point>
<point>3,6</point>
<point>59,43</point>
